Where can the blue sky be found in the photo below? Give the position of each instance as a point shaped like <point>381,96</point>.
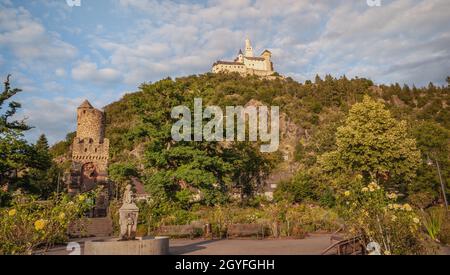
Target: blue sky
<point>60,55</point>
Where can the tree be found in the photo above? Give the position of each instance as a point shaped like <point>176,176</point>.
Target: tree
<point>433,142</point>
<point>5,124</point>
<point>62,148</point>
<point>43,175</point>
<point>121,174</point>
<point>249,168</point>
<point>14,150</point>
<point>295,190</point>
<point>23,165</point>
<point>42,144</point>
<point>42,156</point>
<point>372,143</point>
<point>432,138</point>
<point>317,79</point>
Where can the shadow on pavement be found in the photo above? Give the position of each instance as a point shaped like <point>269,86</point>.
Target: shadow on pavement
<point>183,249</point>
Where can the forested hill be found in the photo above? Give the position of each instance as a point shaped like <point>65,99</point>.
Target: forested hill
<point>313,105</point>
<point>139,124</point>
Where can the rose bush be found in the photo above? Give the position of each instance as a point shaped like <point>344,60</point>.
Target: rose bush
<point>29,224</point>
<point>376,215</point>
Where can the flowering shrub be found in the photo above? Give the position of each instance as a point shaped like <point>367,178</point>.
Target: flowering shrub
<point>296,220</point>
<point>376,215</point>
<point>313,218</point>
<point>29,224</point>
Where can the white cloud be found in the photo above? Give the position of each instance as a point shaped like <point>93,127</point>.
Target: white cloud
<point>145,40</point>
<point>29,40</point>
<point>53,117</point>
<point>60,72</point>
<point>306,37</point>
<point>88,71</point>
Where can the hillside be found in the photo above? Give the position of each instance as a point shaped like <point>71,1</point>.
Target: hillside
<point>139,124</point>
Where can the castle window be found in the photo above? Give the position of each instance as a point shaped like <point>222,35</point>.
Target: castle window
<point>84,111</point>
<point>96,150</point>
<point>85,149</point>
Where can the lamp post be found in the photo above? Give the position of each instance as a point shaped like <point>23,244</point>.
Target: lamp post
<point>430,163</point>
<point>57,186</point>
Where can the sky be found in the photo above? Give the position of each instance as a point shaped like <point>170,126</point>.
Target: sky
<point>60,55</point>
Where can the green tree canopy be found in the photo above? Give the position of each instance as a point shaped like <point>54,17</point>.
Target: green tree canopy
<point>372,143</point>
<point>14,150</point>
<point>6,124</point>
<point>23,165</point>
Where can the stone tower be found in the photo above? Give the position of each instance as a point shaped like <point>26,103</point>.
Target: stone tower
<point>240,57</point>
<point>90,153</point>
<point>91,122</point>
<point>248,48</point>
<point>267,55</point>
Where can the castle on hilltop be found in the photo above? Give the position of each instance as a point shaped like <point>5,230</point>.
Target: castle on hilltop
<point>246,63</point>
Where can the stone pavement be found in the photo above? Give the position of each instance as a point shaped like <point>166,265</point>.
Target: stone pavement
<point>312,245</point>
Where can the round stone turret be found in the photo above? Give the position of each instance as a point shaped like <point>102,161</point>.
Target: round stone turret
<point>91,123</point>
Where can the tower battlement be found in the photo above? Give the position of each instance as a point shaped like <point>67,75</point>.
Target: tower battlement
<point>90,122</point>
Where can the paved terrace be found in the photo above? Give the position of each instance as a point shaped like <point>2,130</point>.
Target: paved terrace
<point>314,244</point>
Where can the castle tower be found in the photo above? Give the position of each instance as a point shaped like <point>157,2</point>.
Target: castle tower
<point>240,56</point>
<point>248,48</point>
<point>267,55</point>
<point>90,154</point>
<point>91,122</point>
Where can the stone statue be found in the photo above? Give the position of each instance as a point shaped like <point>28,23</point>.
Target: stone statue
<point>128,215</point>
<point>130,223</point>
<point>128,195</point>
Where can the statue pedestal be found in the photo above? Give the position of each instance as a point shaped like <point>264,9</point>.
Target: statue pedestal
<point>128,217</point>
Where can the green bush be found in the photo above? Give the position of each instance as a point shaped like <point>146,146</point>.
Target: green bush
<point>29,224</point>
<point>433,220</point>
<point>298,189</point>
<point>370,211</point>
<point>444,234</point>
